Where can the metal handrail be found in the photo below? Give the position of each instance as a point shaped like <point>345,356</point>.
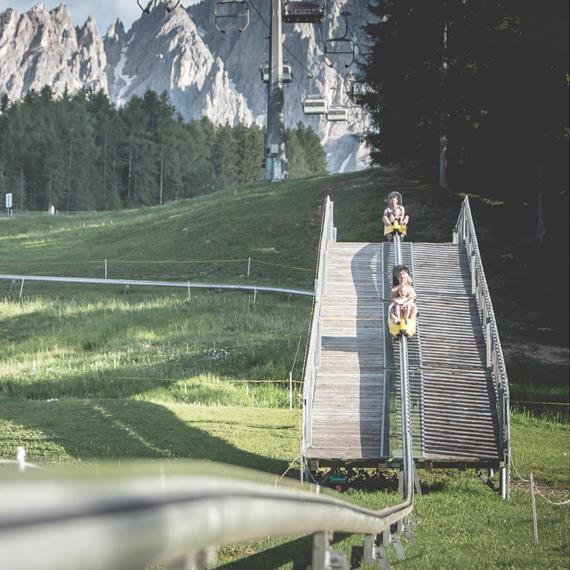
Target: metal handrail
<point>145,515</point>
<point>464,233</point>
<point>312,362</point>
<point>147,283</point>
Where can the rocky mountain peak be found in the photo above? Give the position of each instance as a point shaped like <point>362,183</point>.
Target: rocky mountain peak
<point>206,73</point>
<point>42,47</point>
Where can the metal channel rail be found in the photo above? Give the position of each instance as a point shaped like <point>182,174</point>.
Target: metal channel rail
<point>188,285</point>
<point>464,233</point>
<point>176,514</point>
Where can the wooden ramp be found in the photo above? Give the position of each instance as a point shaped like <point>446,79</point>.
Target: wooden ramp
<point>351,394</point>
<point>356,407</point>
<point>459,405</point>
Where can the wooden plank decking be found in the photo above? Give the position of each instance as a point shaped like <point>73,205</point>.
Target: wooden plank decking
<point>356,410</point>
<point>459,413</point>
<point>350,392</point>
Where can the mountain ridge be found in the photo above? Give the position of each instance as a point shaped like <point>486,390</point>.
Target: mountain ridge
<point>204,72</point>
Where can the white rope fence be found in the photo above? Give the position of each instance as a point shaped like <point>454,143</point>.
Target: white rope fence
<point>534,491</point>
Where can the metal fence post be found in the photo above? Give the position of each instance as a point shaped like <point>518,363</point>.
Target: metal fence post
<point>22,289</point>
<point>249,268</point>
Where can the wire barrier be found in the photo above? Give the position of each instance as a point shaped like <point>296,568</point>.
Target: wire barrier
<point>534,492</point>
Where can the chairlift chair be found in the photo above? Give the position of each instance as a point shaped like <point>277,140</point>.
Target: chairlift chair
<point>303,12</point>
<point>227,10</point>
<point>315,105</point>
<point>144,10</point>
<point>341,48</point>
<point>287,73</point>
<point>171,5</point>
<point>359,89</point>
<point>337,114</point>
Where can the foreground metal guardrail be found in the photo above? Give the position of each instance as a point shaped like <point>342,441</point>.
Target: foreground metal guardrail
<point>142,515</point>
<point>188,285</point>
<point>313,360</point>
<point>464,233</point>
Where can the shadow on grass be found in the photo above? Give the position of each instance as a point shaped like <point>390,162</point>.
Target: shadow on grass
<point>108,430</point>
<point>298,551</point>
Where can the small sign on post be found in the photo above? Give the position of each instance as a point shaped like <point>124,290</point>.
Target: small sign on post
<point>8,201</point>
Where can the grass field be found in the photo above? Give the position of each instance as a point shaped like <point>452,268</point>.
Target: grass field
<point>90,374</point>
<point>213,237</point>
<point>460,522</point>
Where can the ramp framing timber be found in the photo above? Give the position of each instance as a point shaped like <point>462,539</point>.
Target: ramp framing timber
<point>350,402</point>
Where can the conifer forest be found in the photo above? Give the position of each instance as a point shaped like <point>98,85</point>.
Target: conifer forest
<point>80,152</point>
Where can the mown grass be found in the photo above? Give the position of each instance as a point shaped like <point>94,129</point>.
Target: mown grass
<point>216,349</point>
<point>278,227</point>
<point>460,522</point>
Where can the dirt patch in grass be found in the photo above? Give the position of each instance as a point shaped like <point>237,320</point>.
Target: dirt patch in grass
<point>547,354</point>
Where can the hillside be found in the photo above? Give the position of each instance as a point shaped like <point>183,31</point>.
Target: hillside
<point>91,374</point>
<point>212,238</point>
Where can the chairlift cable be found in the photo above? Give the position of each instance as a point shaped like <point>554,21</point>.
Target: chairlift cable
<point>284,46</point>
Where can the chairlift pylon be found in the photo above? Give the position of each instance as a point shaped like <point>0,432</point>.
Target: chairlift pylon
<point>303,12</point>
<point>227,10</point>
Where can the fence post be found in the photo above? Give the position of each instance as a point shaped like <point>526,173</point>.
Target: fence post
<point>189,292</point>
<point>534,515</point>
<point>21,459</point>
<point>22,289</point>
<point>249,268</point>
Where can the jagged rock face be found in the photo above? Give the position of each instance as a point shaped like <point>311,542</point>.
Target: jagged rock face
<point>41,48</point>
<point>206,73</point>
<point>244,53</point>
<point>164,51</point>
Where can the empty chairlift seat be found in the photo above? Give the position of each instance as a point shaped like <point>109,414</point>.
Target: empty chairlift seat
<point>315,105</point>
<point>287,73</point>
<point>231,15</point>
<point>337,114</point>
<point>302,11</point>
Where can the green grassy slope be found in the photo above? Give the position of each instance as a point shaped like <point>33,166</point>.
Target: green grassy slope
<point>88,374</point>
<point>460,522</point>
<point>212,237</point>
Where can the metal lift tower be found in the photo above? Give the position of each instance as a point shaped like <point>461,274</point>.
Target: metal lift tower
<point>275,157</point>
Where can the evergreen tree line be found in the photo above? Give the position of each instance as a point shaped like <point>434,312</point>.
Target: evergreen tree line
<point>80,152</point>
<point>484,80</point>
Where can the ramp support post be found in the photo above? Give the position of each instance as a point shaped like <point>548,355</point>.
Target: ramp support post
<point>396,540</point>
<point>324,558</point>
<point>376,550</point>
